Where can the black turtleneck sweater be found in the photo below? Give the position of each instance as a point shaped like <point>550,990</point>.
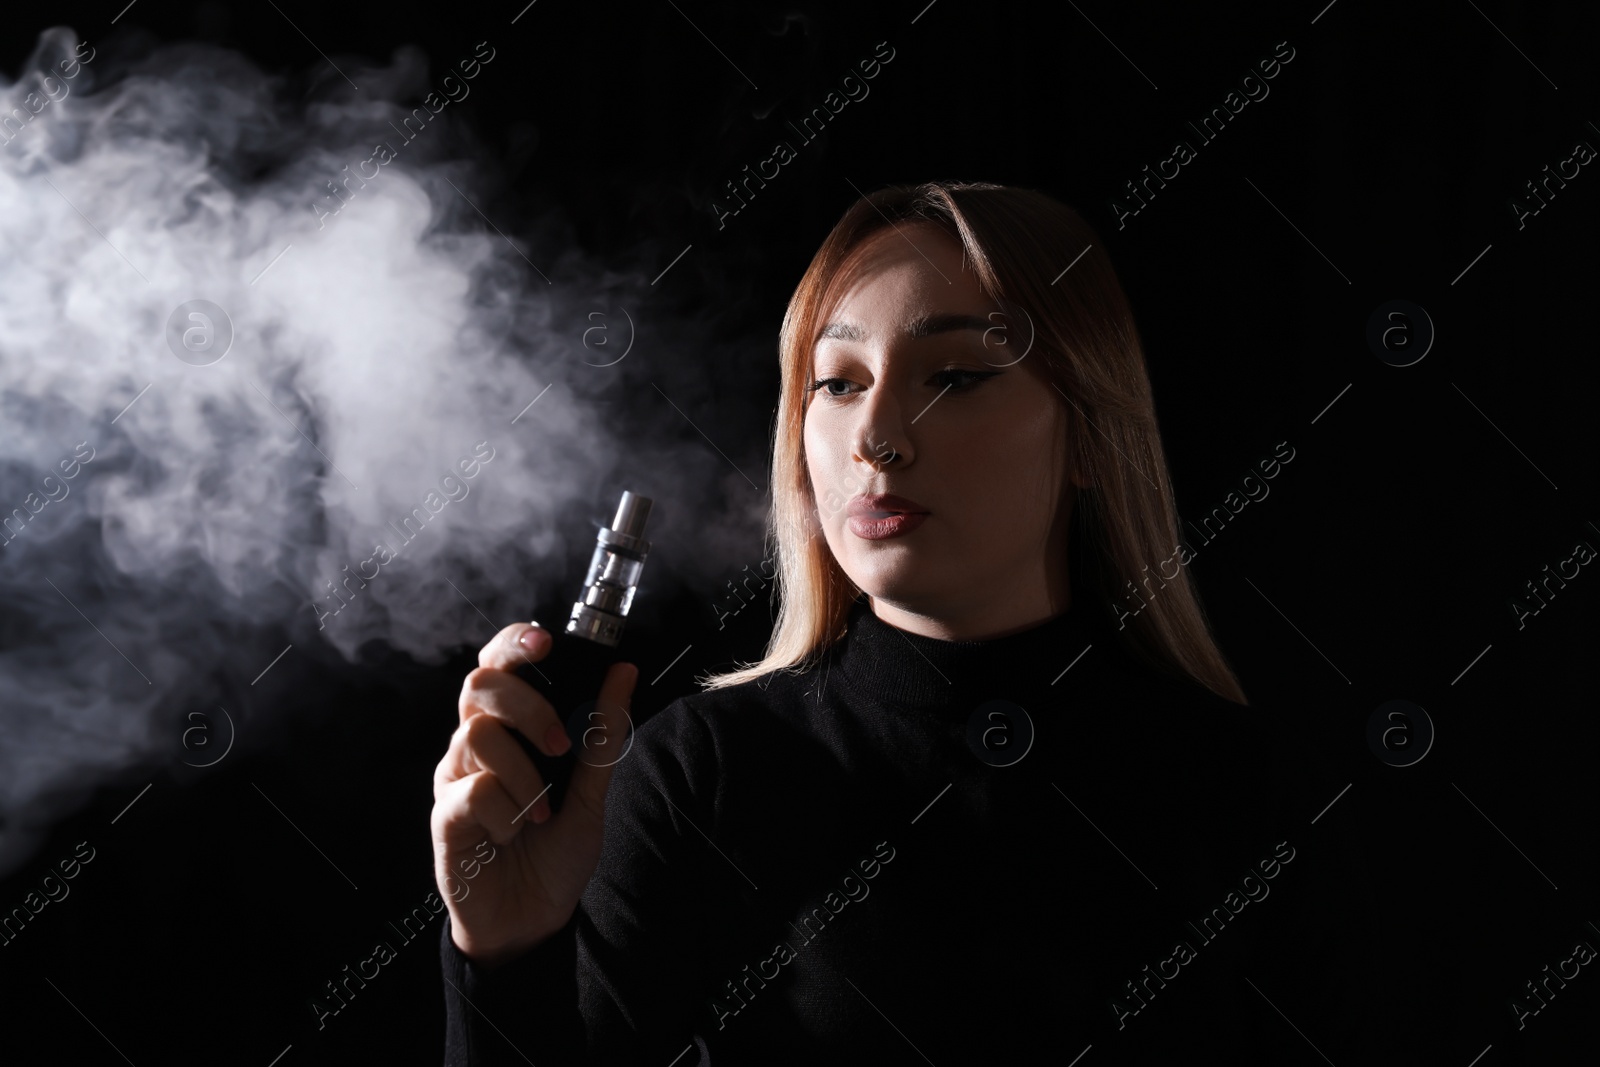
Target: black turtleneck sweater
<point>873,861</point>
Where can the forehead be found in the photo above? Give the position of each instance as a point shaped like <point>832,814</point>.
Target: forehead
<point>903,273</point>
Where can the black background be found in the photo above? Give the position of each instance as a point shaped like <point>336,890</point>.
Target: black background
<point>1379,167</point>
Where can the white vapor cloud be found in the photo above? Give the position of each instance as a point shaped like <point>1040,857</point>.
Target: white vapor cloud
<point>366,363</point>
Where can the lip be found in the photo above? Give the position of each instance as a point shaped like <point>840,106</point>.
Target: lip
<point>894,525</point>
<point>874,507</point>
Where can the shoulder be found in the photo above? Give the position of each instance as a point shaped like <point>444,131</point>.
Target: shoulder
<point>776,696</point>
<point>1181,729</point>
<point>691,759</point>
<point>704,729</point>
<point>1176,715</point>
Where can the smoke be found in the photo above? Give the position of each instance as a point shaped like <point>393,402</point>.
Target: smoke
<point>227,386</point>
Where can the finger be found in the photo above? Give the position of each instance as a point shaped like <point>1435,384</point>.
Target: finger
<point>519,643</point>
<point>470,807</point>
<point>603,743</point>
<point>482,744</point>
<point>516,704</point>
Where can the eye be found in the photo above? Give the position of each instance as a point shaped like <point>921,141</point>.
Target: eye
<point>958,386</point>
<point>823,383</point>
<point>958,381</point>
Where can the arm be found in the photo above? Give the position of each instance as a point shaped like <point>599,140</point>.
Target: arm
<point>619,983</point>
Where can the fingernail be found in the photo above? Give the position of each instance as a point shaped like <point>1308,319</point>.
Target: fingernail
<point>541,811</point>
<point>555,739</point>
<point>530,638</point>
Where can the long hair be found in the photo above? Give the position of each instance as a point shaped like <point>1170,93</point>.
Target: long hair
<point>1030,251</point>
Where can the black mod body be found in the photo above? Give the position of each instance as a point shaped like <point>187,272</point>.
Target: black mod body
<point>569,677</point>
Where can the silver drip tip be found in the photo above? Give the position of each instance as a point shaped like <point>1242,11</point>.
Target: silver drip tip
<point>613,577</point>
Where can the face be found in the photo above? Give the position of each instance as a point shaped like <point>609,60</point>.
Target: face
<point>913,364</point>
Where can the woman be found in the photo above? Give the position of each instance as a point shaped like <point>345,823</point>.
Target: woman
<point>899,837</point>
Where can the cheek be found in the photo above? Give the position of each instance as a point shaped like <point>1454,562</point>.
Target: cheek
<point>1009,458</point>
<point>1007,472</point>
<point>831,484</point>
<point>819,456</point>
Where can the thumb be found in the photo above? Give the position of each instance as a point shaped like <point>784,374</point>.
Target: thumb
<point>601,742</point>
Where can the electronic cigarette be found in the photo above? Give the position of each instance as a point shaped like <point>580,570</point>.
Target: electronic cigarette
<point>614,569</point>
<point>570,674</point>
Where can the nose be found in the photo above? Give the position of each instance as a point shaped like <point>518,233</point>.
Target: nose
<point>880,437</point>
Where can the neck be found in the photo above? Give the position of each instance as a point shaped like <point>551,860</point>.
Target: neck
<point>904,667</point>
<point>997,617</point>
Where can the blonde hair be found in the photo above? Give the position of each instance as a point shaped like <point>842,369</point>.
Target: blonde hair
<point>1017,241</point>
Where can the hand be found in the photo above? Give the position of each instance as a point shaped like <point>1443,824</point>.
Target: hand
<point>487,786</point>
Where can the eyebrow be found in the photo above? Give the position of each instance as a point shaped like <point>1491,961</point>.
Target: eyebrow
<point>923,326</point>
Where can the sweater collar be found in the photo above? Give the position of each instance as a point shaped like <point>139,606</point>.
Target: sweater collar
<point>905,669</point>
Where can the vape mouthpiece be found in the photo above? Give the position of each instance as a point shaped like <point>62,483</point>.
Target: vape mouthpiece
<point>613,577</point>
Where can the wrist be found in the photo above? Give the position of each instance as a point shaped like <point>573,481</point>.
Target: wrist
<point>489,955</point>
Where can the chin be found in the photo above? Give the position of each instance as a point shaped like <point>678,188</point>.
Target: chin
<point>897,583</point>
